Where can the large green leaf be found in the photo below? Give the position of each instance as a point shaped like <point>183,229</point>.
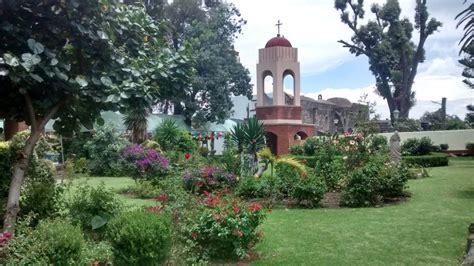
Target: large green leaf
<point>35,47</point>
<point>97,222</point>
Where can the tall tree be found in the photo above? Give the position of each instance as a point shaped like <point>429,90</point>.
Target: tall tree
<point>210,31</point>
<point>386,41</point>
<point>69,60</point>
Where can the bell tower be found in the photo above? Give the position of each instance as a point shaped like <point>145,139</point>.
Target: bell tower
<point>281,113</point>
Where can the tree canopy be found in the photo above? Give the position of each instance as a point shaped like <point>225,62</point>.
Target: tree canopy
<point>387,42</point>
<point>70,60</point>
<point>210,32</point>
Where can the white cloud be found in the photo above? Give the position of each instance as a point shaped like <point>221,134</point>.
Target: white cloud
<point>315,27</point>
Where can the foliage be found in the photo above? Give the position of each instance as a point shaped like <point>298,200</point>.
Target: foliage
<point>370,183</point>
<point>387,43</point>
<point>431,160</point>
<point>408,125</point>
<point>230,156</point>
<point>255,188</point>
<point>436,121</point>
<point>288,174</point>
<point>444,146</point>
<point>249,136</point>
<point>171,138</point>
<point>104,151</point>
<point>146,164</point>
<point>309,190</point>
<point>296,149</point>
<point>98,252</point>
<point>166,134</point>
<point>209,179</point>
<point>41,195</point>
<point>151,144</point>
<point>210,33</point>
<point>142,189</point>
<point>470,147</point>
<point>81,166</point>
<point>93,207</point>
<point>466,17</point>
<point>52,242</point>
<point>135,120</point>
<point>222,227</point>
<point>6,162</point>
<point>69,61</point>
<point>140,238</point>
<point>414,146</point>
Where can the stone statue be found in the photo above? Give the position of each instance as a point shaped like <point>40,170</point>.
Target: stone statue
<point>395,154</point>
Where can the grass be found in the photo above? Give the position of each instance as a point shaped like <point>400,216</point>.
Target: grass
<point>429,229</point>
<point>115,184</point>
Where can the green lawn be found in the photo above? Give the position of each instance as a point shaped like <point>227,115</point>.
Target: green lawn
<point>429,229</point>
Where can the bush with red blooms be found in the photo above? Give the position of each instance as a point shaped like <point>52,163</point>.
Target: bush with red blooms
<point>221,226</point>
<point>208,178</point>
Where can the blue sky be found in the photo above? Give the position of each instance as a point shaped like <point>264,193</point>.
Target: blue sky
<point>314,27</point>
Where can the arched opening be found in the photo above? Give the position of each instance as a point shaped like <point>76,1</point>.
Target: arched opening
<point>338,123</point>
<point>272,141</point>
<point>289,86</point>
<point>267,88</point>
<point>300,135</point>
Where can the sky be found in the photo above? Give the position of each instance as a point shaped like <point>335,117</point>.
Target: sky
<point>314,27</point>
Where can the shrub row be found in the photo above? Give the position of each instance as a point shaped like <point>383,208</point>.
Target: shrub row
<point>432,160</point>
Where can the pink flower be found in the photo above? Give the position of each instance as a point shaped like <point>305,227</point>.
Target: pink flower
<point>352,142</point>
<point>236,210</point>
<point>254,207</point>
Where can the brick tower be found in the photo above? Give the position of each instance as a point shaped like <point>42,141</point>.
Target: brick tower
<point>282,114</point>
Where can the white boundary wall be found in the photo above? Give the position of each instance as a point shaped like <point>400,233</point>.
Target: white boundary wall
<point>456,139</point>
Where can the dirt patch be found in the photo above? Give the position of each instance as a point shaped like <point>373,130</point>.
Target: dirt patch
<point>331,200</point>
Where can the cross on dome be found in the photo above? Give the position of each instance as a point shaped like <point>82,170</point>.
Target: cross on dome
<point>278,25</point>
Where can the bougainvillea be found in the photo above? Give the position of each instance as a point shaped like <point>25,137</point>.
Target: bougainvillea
<point>208,178</point>
<point>143,163</point>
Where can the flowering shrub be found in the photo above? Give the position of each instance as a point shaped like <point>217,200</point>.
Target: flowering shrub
<point>223,227</point>
<point>377,180</point>
<point>208,178</point>
<point>143,163</point>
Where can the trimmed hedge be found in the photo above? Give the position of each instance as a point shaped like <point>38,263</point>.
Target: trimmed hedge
<point>431,160</point>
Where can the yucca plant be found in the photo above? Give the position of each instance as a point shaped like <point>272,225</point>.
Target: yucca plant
<point>135,120</point>
<point>249,138</point>
<point>166,133</point>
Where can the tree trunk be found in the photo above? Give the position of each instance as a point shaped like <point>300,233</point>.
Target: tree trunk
<point>19,170</point>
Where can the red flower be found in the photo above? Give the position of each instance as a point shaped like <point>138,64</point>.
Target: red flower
<point>7,234</point>
<point>199,184</point>
<point>162,198</point>
<point>254,207</point>
<point>236,210</point>
<point>187,156</point>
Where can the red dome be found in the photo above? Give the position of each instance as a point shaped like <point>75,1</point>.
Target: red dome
<point>278,41</point>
